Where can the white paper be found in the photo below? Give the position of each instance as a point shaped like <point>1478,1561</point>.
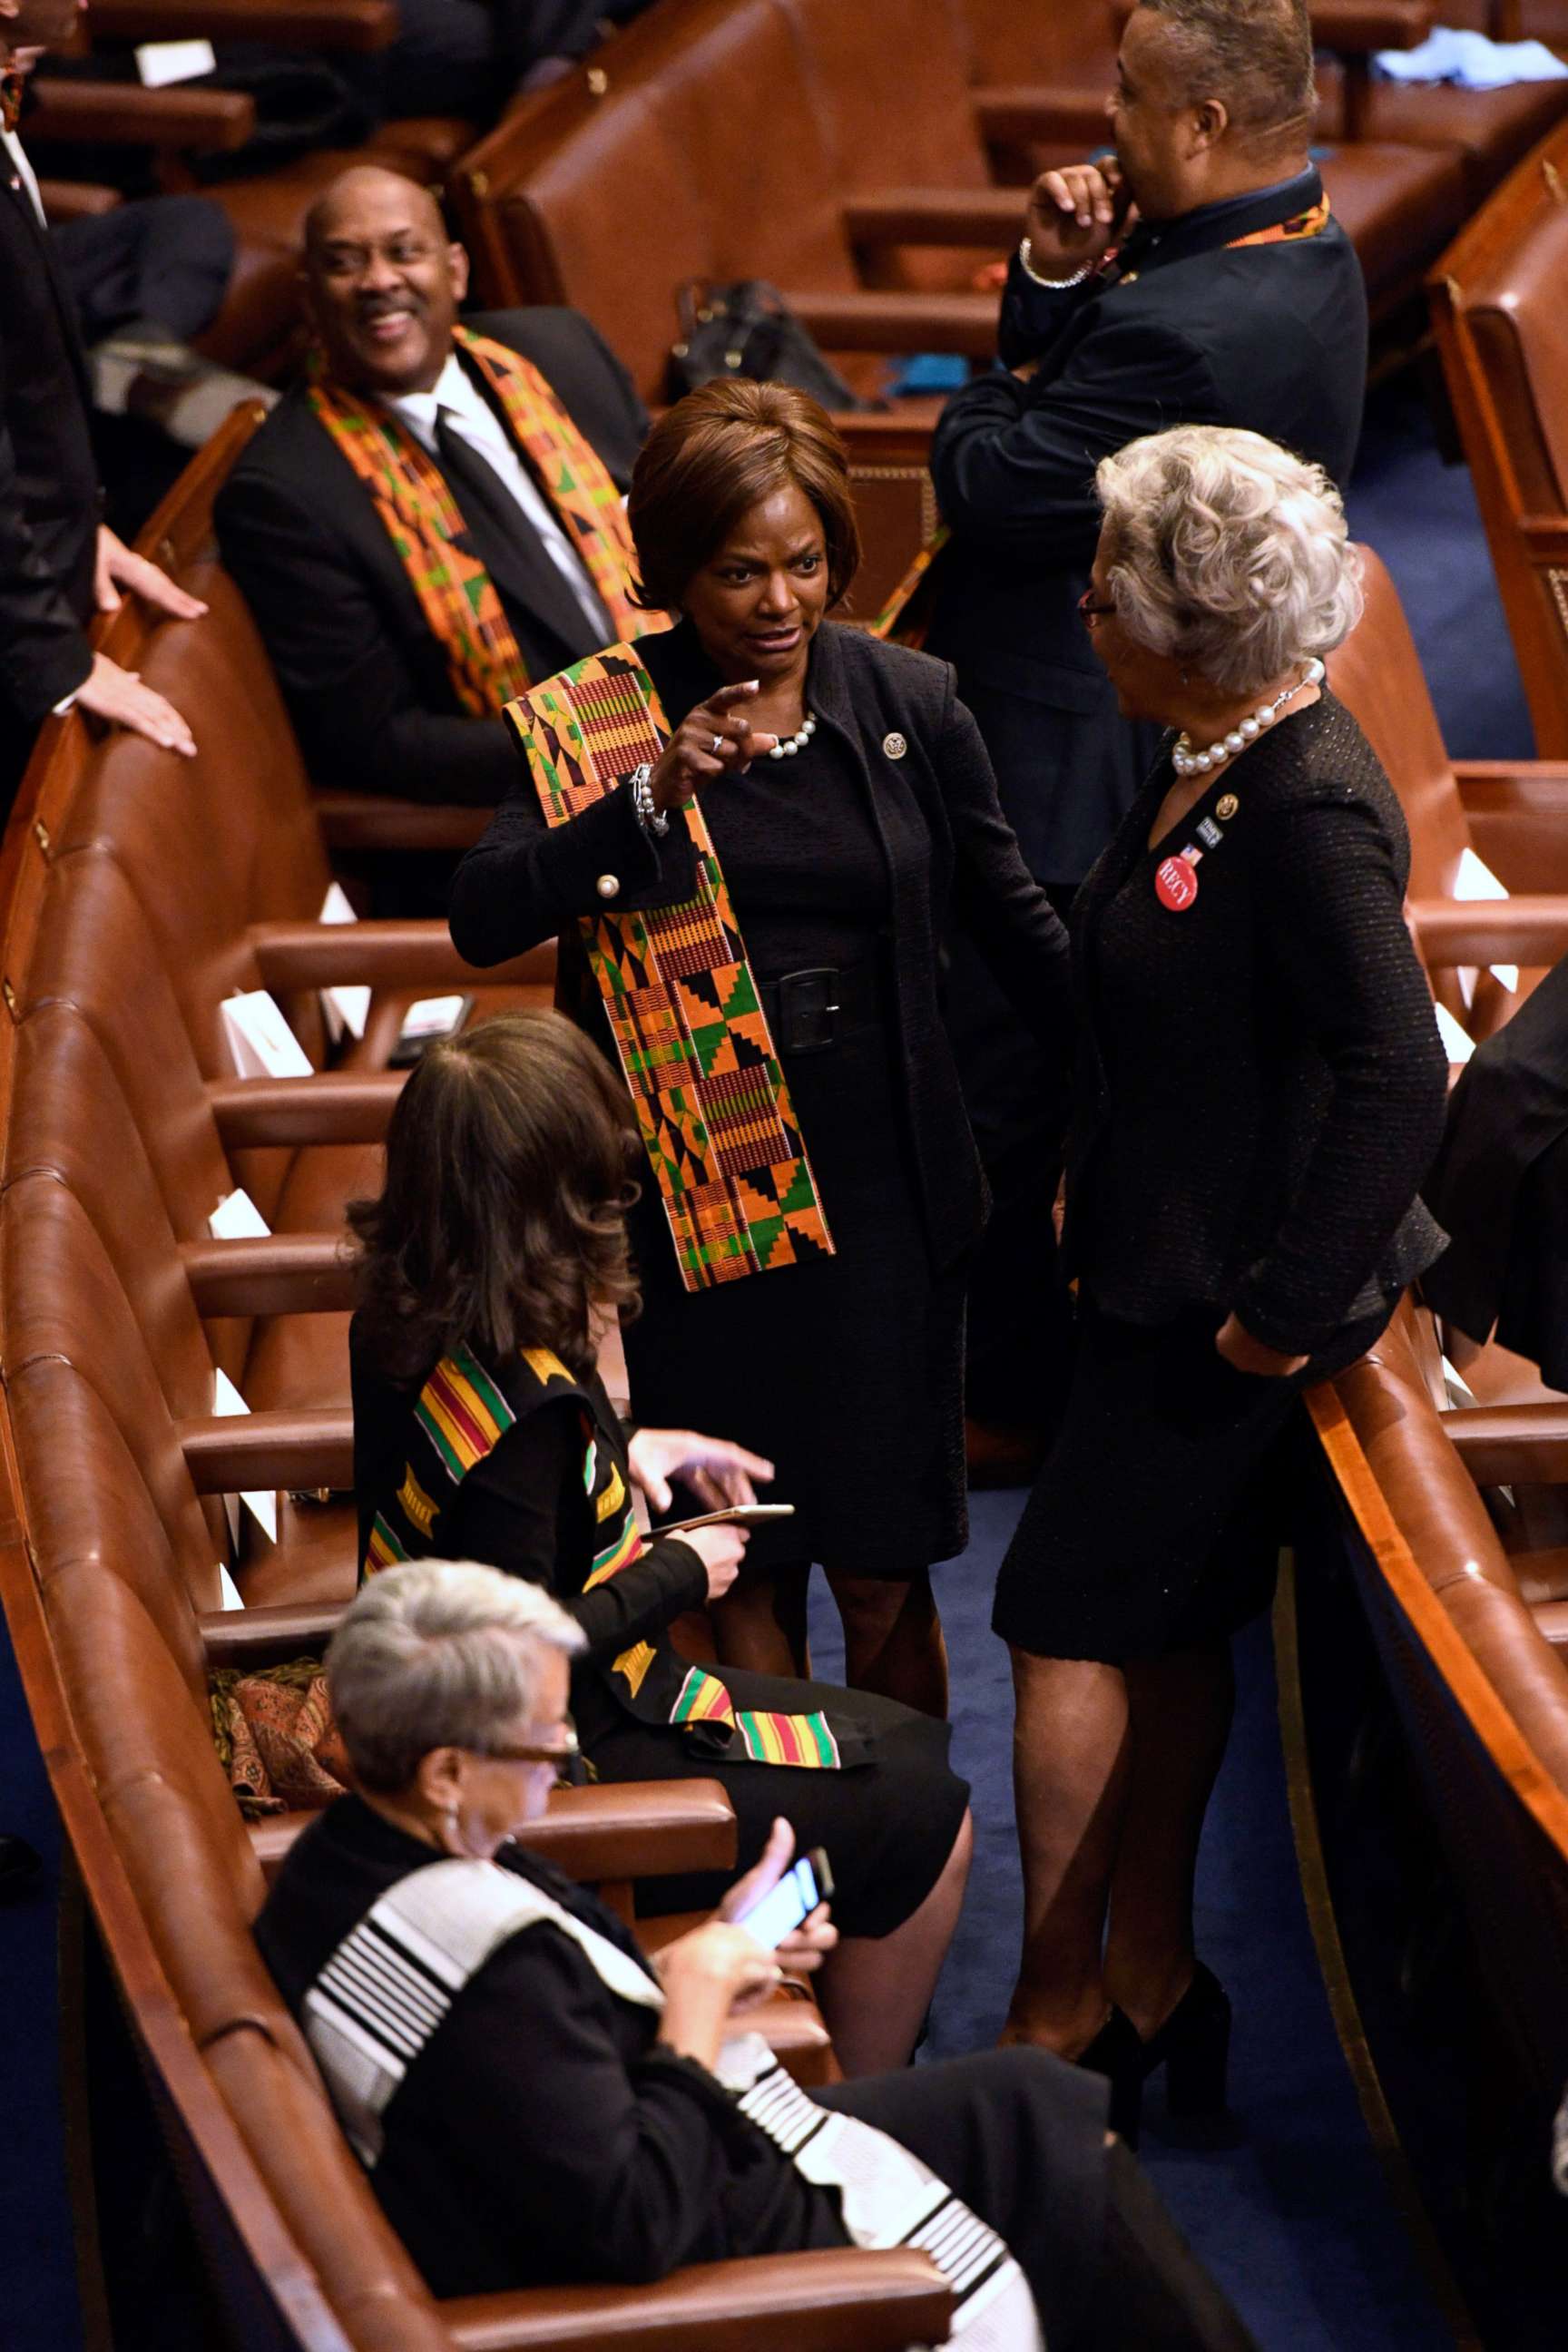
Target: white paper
<point>158,63</point>
<point>261,1504</point>
<point>1475,880</point>
<point>431,1017</point>
<point>347,1007</point>
<point>237,1218</point>
<point>1455,1386</point>
<point>1457,1044</point>
<point>263,1044</point>
<point>229,1591</point>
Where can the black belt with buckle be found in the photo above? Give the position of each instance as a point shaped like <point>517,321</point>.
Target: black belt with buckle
<point>812,1011</point>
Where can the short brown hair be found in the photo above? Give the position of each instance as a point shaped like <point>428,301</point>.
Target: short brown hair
<point>1255,54</point>
<point>712,457</point>
<point>502,1221</point>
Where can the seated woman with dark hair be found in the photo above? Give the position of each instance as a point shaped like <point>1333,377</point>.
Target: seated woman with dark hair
<point>537,2104</point>
<point>492,1263</point>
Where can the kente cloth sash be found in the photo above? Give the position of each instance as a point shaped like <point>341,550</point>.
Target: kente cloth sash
<point>461,1415</point>
<point>906,616</point>
<point>457,596</point>
<point>12,91</point>
<point>390,1985</point>
<point>684,1009</point>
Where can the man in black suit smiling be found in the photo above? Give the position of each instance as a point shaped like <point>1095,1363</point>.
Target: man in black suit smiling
<point>432,519</point>
<point>1196,278</point>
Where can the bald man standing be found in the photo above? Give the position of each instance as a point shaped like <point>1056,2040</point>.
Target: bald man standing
<point>432,519</point>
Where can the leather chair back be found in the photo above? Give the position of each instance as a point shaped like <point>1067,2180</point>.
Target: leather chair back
<point>1502,331</point>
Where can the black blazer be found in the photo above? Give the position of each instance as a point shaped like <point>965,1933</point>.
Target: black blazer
<point>367,685</point>
<point>950,857</point>
<point>1270,337</point>
<point>1260,1085</point>
<point>49,503</point>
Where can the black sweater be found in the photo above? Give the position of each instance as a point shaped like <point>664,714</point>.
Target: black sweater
<point>1259,1083</point>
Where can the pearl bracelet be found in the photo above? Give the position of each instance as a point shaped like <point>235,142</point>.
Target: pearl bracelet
<point>640,786</point>
<point>1052,285</point>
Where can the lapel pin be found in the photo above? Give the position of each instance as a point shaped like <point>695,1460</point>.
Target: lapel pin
<point>1224,808</point>
<point>894,745</point>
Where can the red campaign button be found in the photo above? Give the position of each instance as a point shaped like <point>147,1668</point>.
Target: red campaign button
<point>1176,884</point>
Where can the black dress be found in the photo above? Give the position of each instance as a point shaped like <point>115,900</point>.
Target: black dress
<point>855,859</point>
<point>887,1819</point>
<point>1258,1093</point>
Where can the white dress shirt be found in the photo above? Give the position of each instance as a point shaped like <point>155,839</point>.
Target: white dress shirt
<point>470,416</point>
<point>24,171</point>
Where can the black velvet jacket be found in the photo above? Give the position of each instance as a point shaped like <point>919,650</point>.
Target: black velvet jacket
<point>1259,1083</point>
<point>951,859</point>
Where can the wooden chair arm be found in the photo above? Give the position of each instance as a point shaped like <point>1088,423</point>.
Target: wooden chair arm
<point>635,1829</point>
<point>984,216</point>
<point>335,1106</point>
<point>264,1637</point>
<point>843,2299</point>
<point>68,200</point>
<point>1508,1444</point>
<point>275,1274</point>
<point>1040,114</point>
<point>226,1455</point>
<point>1452,931</point>
<point>356,26</point>
<point>410,954</point>
<point>1516,811</point>
<point>893,321</point>
<point>120,115</point>
<point>371,821</point>
<point>1545,538</point>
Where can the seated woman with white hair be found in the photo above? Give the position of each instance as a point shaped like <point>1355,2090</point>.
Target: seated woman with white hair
<point>1258,1094</point>
<point>538,2105</point>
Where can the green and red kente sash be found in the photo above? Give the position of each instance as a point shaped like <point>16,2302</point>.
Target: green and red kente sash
<point>409,492</point>
<point>462,1416</point>
<point>905,616</point>
<point>710,1098</point>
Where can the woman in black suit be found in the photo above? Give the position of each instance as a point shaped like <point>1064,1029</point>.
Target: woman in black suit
<point>801,812</point>
<point>1258,1093</point>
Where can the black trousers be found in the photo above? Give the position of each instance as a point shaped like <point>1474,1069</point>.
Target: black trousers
<point>166,259</point>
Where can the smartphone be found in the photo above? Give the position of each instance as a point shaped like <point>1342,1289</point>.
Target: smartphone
<point>431,1017</point>
<point>804,1885</point>
<point>735,1515</point>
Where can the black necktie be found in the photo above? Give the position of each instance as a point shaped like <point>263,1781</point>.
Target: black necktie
<point>506,543</point>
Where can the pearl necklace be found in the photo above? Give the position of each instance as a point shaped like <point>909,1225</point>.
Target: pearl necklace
<point>788,745</point>
<point>1188,763</point>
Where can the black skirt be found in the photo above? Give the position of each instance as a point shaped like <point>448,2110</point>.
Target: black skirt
<point>1156,1521</point>
<point>847,1372</point>
<point>886,1827</point>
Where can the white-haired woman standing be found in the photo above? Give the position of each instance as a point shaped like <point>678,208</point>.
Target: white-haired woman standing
<point>1258,1093</point>
<point>538,2105</point>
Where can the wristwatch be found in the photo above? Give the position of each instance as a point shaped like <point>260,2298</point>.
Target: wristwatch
<point>639,783</point>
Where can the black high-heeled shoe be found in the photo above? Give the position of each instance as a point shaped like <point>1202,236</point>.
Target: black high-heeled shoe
<point>1194,2047</point>
<point>1117,2052</point>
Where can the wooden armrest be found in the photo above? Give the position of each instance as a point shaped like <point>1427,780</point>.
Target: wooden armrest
<point>68,200</point>
<point>1545,538</point>
<point>842,2299</point>
<point>1490,930</point>
<point>635,1829</point>
<point>1043,113</point>
<point>116,113</point>
<point>872,321</point>
<point>272,1273</point>
<point>261,1637</point>
<point>987,216</point>
<point>894,439</point>
<point>371,821</point>
<point>1359,28</point>
<point>336,1106</point>
<point>382,954</point>
<point>353,26</point>
<point>227,1455</point>
<point>1511,1444</point>
<point>1516,811</point>
<point>1512,778</point>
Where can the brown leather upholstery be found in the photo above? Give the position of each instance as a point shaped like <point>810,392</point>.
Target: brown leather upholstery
<point>1377,674</point>
<point>1497,304</point>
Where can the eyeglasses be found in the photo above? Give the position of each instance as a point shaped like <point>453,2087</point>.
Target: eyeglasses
<point>520,1754</point>
<point>1091,609</point>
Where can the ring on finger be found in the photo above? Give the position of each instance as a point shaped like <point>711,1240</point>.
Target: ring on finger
<point>717,745</point>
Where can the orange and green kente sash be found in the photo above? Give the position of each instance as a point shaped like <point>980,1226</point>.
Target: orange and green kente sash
<point>711,1102</point>
<point>457,596</point>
